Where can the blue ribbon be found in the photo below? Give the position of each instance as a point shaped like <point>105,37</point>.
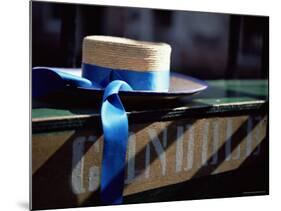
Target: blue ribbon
<point>115,129</point>
<point>149,80</point>
<point>46,81</point>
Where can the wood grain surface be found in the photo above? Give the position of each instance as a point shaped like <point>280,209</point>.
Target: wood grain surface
<point>66,164</point>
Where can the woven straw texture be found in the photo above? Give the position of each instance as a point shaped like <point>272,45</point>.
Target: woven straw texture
<point>128,54</point>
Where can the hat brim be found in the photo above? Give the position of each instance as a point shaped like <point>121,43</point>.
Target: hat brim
<point>180,86</point>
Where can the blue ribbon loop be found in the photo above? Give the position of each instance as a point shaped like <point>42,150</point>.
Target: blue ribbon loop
<point>114,118</point>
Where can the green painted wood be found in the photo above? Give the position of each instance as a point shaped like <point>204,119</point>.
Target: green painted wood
<point>233,91</point>
<point>49,112</point>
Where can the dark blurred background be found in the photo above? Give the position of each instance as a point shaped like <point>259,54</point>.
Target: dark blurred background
<point>204,45</point>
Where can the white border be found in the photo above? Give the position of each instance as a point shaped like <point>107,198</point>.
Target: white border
<point>15,103</point>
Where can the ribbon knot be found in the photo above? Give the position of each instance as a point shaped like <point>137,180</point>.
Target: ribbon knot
<point>110,75</point>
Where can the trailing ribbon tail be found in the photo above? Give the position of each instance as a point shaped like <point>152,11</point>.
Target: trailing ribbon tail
<point>115,130</point>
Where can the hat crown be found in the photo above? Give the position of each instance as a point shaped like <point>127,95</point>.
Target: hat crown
<point>126,54</point>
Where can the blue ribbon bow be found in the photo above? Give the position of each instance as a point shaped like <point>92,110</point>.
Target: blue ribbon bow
<point>114,118</point>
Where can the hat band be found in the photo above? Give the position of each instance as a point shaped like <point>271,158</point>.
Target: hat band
<point>146,81</point>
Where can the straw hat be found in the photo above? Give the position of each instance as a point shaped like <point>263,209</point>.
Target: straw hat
<point>121,54</point>
<point>128,54</point>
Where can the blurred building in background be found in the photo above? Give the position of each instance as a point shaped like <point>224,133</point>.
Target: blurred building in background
<point>204,45</point>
